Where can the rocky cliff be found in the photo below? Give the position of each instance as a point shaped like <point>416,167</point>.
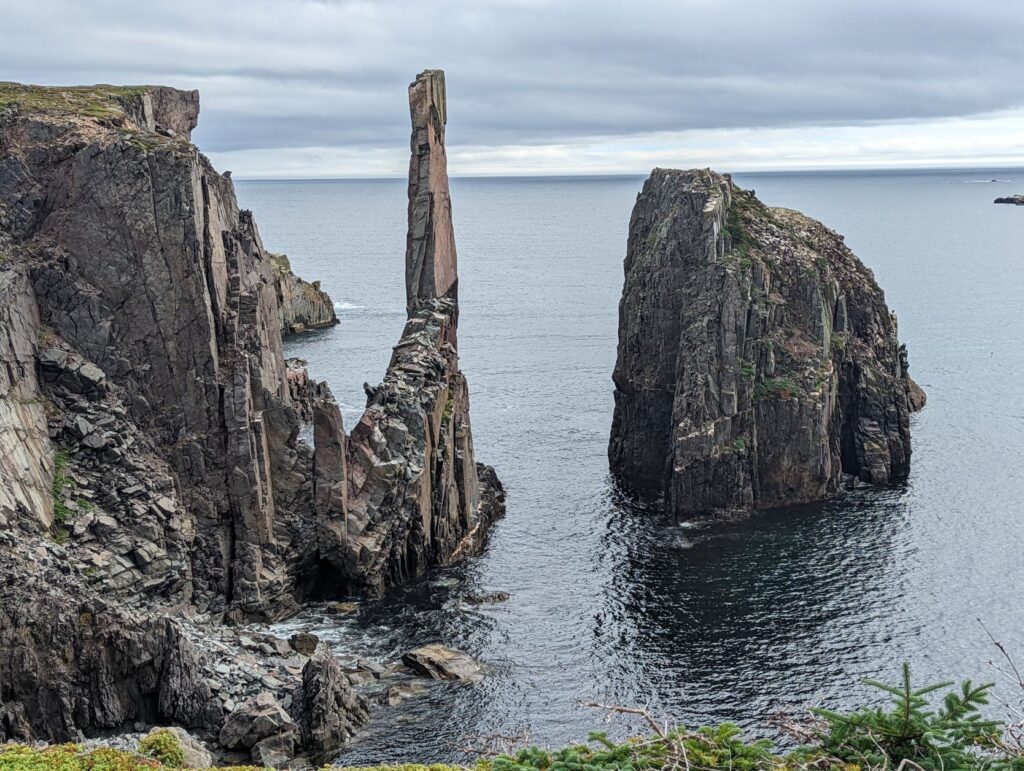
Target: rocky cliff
<point>152,469</point>
<point>758,363</point>
<point>303,305</point>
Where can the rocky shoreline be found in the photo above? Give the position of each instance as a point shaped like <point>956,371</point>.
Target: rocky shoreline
<point>157,499</point>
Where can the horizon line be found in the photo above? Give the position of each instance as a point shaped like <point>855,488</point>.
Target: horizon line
<point>641,174</point>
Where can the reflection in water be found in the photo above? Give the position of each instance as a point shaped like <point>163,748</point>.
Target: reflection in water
<point>609,601</point>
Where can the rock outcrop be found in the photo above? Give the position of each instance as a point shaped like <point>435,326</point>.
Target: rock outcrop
<point>758,363</point>
<point>1014,200</point>
<point>303,305</point>
<point>414,495</point>
<point>154,482</point>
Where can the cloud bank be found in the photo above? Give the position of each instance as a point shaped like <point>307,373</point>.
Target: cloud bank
<point>317,87</point>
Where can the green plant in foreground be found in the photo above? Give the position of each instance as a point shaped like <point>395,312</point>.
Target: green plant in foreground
<point>951,737</point>
<point>164,746</point>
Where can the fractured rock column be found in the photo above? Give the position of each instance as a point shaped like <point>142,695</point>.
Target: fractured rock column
<point>431,266</point>
<point>414,495</point>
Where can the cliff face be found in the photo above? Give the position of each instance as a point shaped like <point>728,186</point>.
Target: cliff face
<point>303,305</point>
<point>149,435</point>
<point>757,361</point>
<point>414,494</point>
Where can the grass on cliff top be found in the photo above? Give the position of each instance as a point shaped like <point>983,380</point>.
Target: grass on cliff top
<point>93,101</point>
<point>910,733</point>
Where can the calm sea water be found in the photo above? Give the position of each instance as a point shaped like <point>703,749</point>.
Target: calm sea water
<point>698,622</point>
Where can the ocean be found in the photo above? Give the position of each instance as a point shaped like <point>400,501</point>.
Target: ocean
<point>611,602</point>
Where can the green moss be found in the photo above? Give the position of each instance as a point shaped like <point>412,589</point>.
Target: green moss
<point>782,387</point>
<point>164,746</point>
<point>91,101</point>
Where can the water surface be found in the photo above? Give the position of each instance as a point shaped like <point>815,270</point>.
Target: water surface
<point>699,621</point>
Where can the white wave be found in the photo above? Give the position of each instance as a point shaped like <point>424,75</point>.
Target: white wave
<point>345,306</point>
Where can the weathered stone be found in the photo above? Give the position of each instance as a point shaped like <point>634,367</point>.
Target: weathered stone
<point>431,267</point>
<point>327,710</point>
<point>304,643</point>
<point>254,721</point>
<point>441,663</point>
<point>303,305</point>
<point>757,360</point>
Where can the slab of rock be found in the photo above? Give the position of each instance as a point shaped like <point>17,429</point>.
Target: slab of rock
<point>757,363</point>
<point>1017,200</point>
<point>254,721</point>
<point>442,663</point>
<point>304,305</point>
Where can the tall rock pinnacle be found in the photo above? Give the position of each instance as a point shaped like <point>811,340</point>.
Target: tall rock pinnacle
<point>431,266</point>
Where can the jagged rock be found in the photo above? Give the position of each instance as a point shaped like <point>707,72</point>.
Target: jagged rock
<point>404,492</point>
<point>490,598</point>
<point>304,305</point>
<point>327,709</point>
<point>304,643</point>
<point>1017,200</point>
<point>757,362</point>
<point>254,721</point>
<point>441,663</point>
<point>396,693</point>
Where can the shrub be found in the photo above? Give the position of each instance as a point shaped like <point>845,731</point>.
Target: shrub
<point>164,746</point>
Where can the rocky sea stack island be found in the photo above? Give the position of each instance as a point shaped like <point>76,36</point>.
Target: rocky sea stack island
<point>758,364</point>
<point>154,482</point>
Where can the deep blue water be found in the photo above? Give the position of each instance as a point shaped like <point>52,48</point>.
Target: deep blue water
<point>699,622</point>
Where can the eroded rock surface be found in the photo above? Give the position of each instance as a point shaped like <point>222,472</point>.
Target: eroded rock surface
<point>304,305</point>
<point>757,362</point>
<point>414,494</point>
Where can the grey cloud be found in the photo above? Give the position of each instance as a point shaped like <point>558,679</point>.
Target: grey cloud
<point>301,73</point>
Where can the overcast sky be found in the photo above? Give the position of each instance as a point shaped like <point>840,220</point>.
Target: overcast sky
<point>296,88</point>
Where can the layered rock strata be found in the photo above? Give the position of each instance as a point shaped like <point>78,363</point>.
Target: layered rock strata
<point>757,363</point>
<point>149,425</point>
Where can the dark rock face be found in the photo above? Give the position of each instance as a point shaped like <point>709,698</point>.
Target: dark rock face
<point>1015,200</point>
<point>149,438</point>
<point>757,361</point>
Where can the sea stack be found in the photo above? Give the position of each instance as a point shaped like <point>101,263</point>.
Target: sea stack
<point>415,494</point>
<point>758,364</point>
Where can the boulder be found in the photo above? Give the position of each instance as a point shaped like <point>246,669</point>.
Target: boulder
<point>442,663</point>
<point>196,754</point>
<point>304,643</point>
<point>254,721</point>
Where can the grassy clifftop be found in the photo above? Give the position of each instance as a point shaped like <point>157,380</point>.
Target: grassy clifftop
<point>91,101</point>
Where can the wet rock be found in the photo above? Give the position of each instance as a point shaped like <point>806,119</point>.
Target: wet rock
<point>441,663</point>
<point>489,598</point>
<point>396,693</point>
<point>1017,200</point>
